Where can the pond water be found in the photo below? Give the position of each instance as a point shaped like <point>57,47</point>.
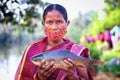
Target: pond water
<point>9,60</point>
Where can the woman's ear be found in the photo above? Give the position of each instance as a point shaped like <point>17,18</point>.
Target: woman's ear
<point>42,23</point>
<point>68,22</point>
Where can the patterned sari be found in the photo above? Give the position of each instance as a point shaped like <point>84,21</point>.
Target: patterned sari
<point>27,69</point>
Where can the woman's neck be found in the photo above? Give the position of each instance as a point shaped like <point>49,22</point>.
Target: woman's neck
<point>54,43</point>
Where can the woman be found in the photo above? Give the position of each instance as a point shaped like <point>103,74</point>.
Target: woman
<point>55,22</point>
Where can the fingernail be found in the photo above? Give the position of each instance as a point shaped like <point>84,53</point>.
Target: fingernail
<point>54,66</point>
<point>69,59</point>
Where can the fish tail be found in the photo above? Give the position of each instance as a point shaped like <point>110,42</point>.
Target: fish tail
<point>97,62</point>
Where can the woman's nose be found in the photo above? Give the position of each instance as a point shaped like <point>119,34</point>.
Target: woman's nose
<point>54,26</point>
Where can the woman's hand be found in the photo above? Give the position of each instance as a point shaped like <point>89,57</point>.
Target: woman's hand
<point>46,70</point>
<point>82,72</point>
<point>70,71</point>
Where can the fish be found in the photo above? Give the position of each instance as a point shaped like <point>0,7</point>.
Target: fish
<point>58,56</point>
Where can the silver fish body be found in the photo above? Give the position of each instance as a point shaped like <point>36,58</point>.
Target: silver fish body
<point>59,55</point>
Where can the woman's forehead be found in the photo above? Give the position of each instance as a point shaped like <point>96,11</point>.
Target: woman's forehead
<point>54,14</point>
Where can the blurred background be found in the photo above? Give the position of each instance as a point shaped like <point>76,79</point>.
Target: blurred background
<point>94,24</point>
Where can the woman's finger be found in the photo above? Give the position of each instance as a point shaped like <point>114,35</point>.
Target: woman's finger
<point>70,63</point>
<point>82,71</point>
<point>48,69</point>
<point>42,63</point>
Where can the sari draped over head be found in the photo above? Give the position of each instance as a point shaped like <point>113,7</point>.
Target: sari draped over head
<point>27,69</point>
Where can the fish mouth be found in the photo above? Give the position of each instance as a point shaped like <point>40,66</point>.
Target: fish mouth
<point>35,62</point>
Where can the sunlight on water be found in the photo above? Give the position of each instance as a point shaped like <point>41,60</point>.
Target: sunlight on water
<point>8,68</point>
<point>9,60</point>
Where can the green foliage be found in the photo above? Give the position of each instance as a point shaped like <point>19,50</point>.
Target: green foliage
<point>110,19</point>
<point>107,68</point>
<point>108,22</point>
<point>23,14</point>
<point>33,1</point>
<point>74,33</point>
<point>99,51</point>
<point>77,27</point>
<point>107,56</point>
<point>115,68</point>
<point>112,4</point>
<point>95,53</point>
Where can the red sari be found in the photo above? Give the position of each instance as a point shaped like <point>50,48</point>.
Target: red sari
<point>26,69</point>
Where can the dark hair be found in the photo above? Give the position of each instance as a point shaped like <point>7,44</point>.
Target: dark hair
<point>58,7</point>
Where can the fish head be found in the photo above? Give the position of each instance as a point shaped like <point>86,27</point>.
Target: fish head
<point>36,59</point>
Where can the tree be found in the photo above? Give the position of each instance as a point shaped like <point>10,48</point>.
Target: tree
<point>21,12</point>
<point>111,5</point>
<point>111,17</point>
<point>20,15</point>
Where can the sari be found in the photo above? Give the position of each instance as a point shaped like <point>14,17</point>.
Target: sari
<point>27,70</point>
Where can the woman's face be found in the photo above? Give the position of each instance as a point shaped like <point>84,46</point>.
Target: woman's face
<point>55,25</point>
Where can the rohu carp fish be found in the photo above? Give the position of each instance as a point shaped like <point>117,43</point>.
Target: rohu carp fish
<point>58,56</point>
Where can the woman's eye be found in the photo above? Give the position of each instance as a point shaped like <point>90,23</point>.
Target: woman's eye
<point>49,22</point>
<point>59,22</point>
